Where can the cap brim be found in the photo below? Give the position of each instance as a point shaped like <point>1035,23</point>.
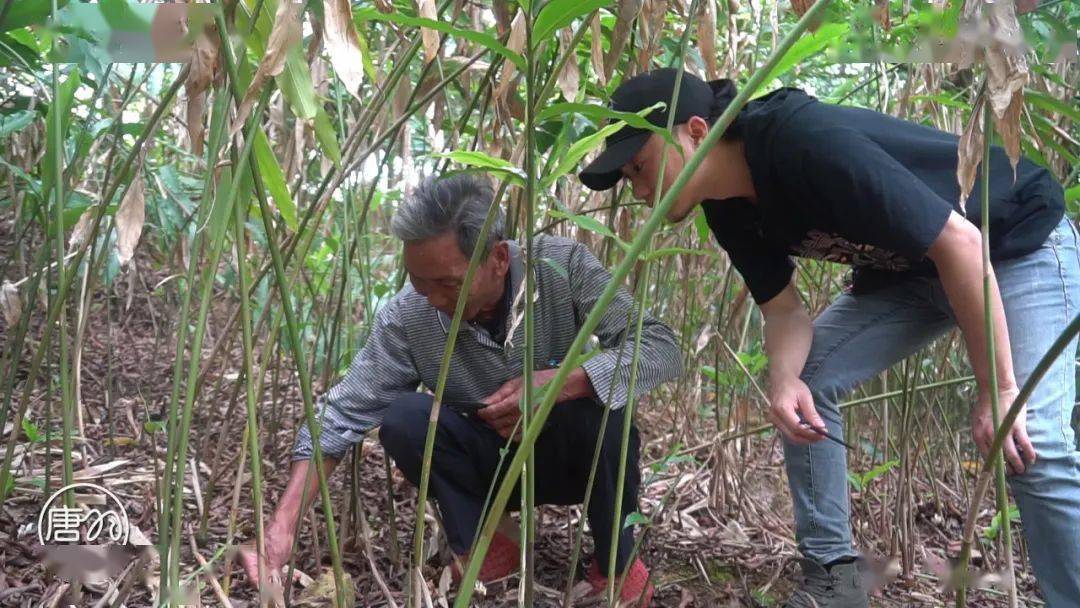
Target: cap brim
<point>606,171</point>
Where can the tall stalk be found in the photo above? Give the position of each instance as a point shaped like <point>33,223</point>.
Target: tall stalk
<point>634,251</point>
<point>528,486</point>
<point>991,351</point>
<point>1002,498</point>
<point>56,148</point>
<point>252,430</point>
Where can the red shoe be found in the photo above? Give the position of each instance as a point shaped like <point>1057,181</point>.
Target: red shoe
<point>636,592</point>
<point>503,559</point>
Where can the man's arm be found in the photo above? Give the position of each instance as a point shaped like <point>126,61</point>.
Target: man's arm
<point>382,369</point>
<point>956,253</point>
<point>789,333</point>
<point>281,529</point>
<point>608,373</point>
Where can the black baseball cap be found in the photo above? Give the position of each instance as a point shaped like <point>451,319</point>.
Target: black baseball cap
<point>696,98</point>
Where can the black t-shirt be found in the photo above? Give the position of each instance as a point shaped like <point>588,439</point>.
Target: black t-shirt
<point>862,188</point>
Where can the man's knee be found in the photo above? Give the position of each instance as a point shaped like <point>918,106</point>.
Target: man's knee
<point>404,427</point>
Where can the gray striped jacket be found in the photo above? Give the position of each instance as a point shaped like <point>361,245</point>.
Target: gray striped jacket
<point>406,343</point>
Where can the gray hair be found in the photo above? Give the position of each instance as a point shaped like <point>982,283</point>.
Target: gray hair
<point>457,204</point>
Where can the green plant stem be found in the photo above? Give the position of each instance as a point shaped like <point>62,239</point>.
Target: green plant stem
<point>251,432</point>
<point>634,251</point>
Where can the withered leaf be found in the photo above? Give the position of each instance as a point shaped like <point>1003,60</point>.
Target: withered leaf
<point>283,35</point>
<point>129,219</point>
<point>570,77</point>
<point>343,44</point>
<point>80,232</point>
<point>429,37</point>
<point>625,14</point>
<point>205,69</point>
<point>11,303</point>
<point>707,38</point>
<point>1006,75</point>
<point>597,50</point>
<point>970,152</point>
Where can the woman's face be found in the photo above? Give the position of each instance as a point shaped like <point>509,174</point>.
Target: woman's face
<point>643,171</point>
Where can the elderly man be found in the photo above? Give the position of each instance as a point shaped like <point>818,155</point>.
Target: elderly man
<point>440,225</point>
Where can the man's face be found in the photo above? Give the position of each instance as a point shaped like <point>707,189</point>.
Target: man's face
<point>643,170</point>
<point>437,267</point>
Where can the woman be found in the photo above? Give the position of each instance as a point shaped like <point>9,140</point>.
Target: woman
<point>796,177</point>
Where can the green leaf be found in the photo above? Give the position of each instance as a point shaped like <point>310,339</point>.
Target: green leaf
<point>586,222</point>
<point>28,12</point>
<point>295,78</point>
<point>1072,194</point>
<point>64,106</point>
<point>992,531</point>
<point>153,426</point>
<point>558,14</point>
<point>33,433</point>
<point>557,267</point>
<point>598,113</point>
<point>855,481</point>
<point>483,39</point>
<point>10,123</point>
<point>878,471</point>
<point>274,179</point>
<point>473,158</point>
<point>1051,104</point>
<point>709,372</point>
<point>583,146</point>
<point>810,44</point>
<point>635,519</point>
<point>326,135</point>
<point>577,151</point>
<point>666,251</point>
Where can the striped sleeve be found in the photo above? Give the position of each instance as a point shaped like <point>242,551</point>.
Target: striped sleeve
<point>609,373</point>
<point>352,407</point>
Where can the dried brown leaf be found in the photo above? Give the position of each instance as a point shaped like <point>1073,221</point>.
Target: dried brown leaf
<point>205,69</point>
<point>1008,127</point>
<point>322,591</point>
<point>707,38</point>
<point>516,43</point>
<point>881,14</point>
<point>569,79</point>
<point>1006,75</point>
<point>283,35</point>
<point>430,37</point>
<point>1026,6</point>
<point>970,152</point>
<point>80,232</point>
<point>801,6</point>
<point>597,53</point>
<point>129,219</point>
<point>384,6</point>
<point>343,44</point>
<point>11,303</point>
<point>625,14</point>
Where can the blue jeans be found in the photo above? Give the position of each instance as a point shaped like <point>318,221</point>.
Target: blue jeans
<point>858,336</point>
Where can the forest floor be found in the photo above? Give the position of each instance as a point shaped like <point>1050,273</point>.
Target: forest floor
<point>723,537</point>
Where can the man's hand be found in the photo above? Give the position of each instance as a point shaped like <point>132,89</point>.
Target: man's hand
<point>503,406</point>
<point>278,545</point>
<point>789,399</point>
<point>1019,452</point>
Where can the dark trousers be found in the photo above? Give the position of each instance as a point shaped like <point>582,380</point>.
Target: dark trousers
<point>466,459</point>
